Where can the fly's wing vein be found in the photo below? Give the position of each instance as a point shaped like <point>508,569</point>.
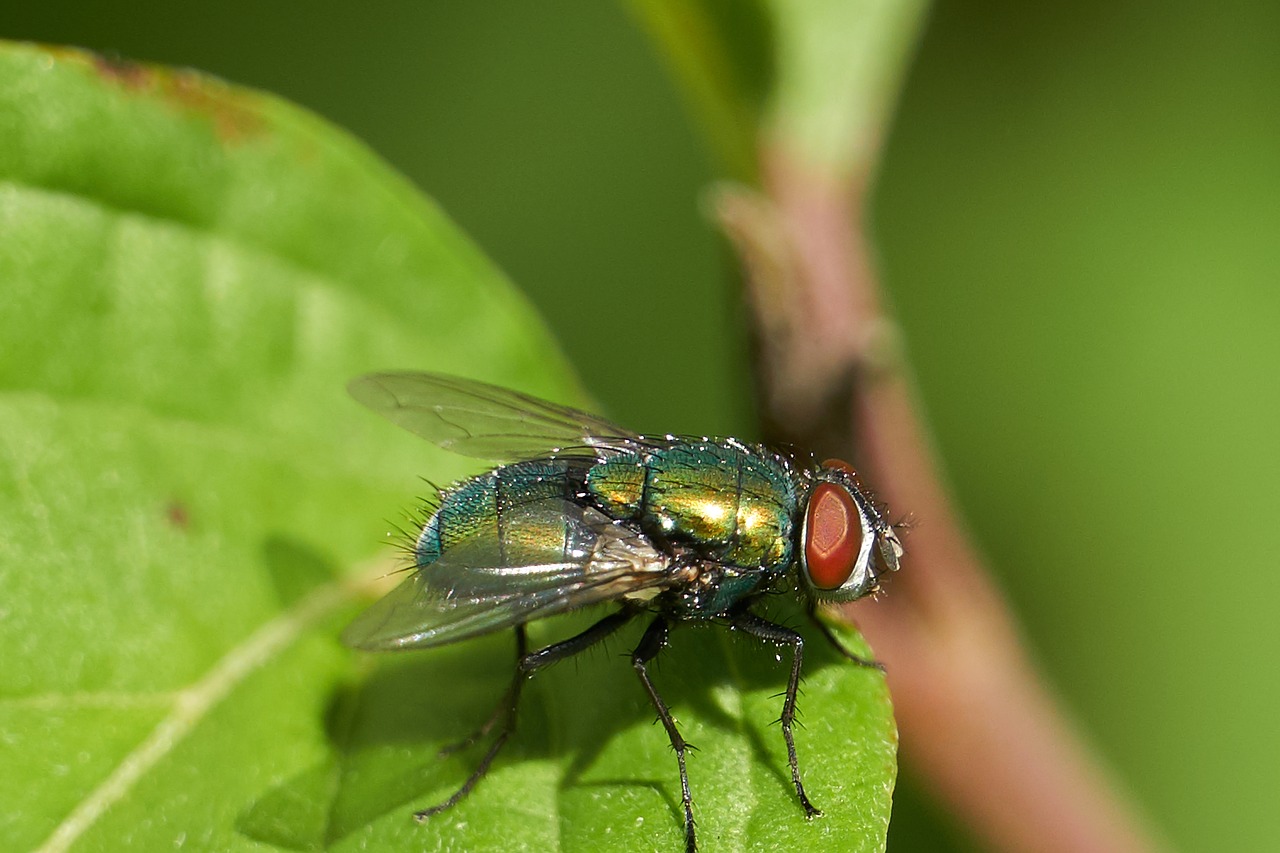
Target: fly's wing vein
<point>485,421</point>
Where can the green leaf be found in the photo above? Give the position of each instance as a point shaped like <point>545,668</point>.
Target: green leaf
<point>817,77</point>
<point>589,769</point>
<point>190,509</point>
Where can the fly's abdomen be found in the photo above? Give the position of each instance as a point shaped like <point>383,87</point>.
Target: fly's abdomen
<point>733,502</point>
<point>485,507</point>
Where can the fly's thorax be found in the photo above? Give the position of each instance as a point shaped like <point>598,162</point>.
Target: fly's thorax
<point>734,502</point>
<point>618,484</point>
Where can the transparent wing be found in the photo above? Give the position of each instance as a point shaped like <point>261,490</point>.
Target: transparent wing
<point>485,421</point>
<point>548,557</point>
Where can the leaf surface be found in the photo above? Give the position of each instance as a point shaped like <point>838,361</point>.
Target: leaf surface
<point>191,508</point>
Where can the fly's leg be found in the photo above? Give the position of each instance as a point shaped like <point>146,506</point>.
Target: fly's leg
<point>826,631</point>
<point>526,667</point>
<point>522,649</point>
<point>778,635</point>
<point>653,641</point>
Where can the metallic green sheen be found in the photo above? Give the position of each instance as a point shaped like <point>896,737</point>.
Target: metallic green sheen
<point>618,485</point>
<point>738,501</point>
<point>731,590</point>
<point>481,508</point>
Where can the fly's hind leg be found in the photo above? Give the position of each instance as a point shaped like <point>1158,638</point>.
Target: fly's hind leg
<point>653,641</point>
<point>779,635</point>
<point>831,638</point>
<point>522,649</point>
<point>527,665</point>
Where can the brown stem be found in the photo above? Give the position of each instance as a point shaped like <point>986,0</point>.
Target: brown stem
<point>977,722</point>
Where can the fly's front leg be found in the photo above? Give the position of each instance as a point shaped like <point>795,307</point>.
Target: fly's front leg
<point>781,636</point>
<point>527,665</point>
<point>653,641</point>
<point>826,631</point>
<point>522,649</point>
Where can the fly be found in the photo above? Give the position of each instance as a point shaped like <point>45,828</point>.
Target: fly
<point>581,511</point>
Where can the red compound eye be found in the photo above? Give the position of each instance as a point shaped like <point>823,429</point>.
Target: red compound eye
<point>839,465</point>
<point>832,536</point>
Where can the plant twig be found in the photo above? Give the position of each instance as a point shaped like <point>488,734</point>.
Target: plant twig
<point>978,724</point>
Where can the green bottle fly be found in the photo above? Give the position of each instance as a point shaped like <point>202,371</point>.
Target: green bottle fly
<point>582,512</point>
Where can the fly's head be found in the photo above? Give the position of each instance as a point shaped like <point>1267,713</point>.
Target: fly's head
<point>846,545</point>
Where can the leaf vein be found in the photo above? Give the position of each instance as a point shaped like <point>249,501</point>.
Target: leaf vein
<point>194,702</point>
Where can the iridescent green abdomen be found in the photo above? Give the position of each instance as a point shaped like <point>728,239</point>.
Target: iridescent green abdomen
<point>483,508</point>
<point>735,503</point>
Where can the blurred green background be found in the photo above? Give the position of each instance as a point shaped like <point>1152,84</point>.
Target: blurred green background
<point>1077,218</point>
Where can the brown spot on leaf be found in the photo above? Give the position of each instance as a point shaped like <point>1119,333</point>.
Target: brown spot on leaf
<point>177,514</point>
<point>234,113</point>
<point>131,74</point>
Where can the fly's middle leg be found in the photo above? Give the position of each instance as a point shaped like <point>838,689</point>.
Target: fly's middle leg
<point>526,666</point>
<point>831,638</point>
<point>653,641</point>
